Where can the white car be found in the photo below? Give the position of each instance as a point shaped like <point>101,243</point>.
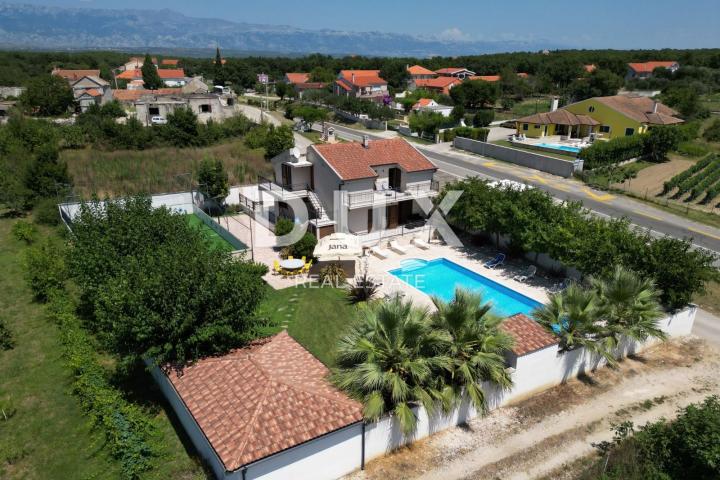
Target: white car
<point>158,120</point>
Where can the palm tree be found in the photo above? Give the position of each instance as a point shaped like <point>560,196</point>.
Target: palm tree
<point>475,346</point>
<point>389,360</point>
<point>630,305</point>
<point>597,317</point>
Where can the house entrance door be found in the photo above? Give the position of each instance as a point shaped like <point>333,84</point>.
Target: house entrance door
<point>392,216</point>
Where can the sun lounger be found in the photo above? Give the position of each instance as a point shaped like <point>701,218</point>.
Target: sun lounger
<point>380,252</point>
<point>560,286</point>
<point>498,260</point>
<point>420,243</point>
<point>529,273</point>
<point>396,247</point>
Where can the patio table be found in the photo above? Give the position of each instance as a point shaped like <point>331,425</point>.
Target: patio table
<point>294,264</point>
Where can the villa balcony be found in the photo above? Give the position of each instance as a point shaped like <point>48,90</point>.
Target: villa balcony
<point>373,198</point>
<point>284,192</point>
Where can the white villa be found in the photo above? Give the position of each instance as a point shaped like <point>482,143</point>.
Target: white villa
<point>370,189</point>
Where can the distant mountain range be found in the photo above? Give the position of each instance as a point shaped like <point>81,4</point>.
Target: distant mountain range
<point>39,27</point>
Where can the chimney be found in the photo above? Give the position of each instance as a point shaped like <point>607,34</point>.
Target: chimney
<point>555,103</point>
<point>353,79</point>
<point>366,141</point>
<point>655,106</point>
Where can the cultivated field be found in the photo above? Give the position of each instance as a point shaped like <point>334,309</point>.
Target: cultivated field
<point>156,170</point>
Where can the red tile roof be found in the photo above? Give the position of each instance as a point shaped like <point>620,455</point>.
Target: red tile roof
<point>93,92</point>
<point>132,95</point>
<point>170,61</point>
<point>440,83</point>
<point>352,161</point>
<point>165,73</point>
<point>296,78</point>
<point>262,399</point>
<point>529,335</point>
<point>75,74</point>
<point>485,78</point>
<point>343,85</point>
<point>648,67</point>
<point>641,109</point>
<point>451,70</point>
<point>423,102</point>
<point>419,70</point>
<point>361,78</point>
<point>590,68</point>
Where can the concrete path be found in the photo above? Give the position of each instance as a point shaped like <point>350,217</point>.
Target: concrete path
<point>707,326</point>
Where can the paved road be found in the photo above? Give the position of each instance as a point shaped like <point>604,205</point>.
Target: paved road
<point>659,222</point>
<point>707,326</point>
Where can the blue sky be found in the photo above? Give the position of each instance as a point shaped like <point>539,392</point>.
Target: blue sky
<point>583,24</point>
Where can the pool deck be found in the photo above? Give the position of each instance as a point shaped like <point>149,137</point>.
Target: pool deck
<point>468,257</point>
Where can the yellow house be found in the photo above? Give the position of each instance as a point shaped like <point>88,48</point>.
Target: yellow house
<point>607,117</point>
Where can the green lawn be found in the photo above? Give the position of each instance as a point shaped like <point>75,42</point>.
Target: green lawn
<point>560,156</point>
<point>47,434</point>
<point>315,317</point>
<point>523,109</point>
<point>216,241</point>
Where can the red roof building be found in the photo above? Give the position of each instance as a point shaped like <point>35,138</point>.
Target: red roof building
<point>439,84</point>
<point>418,72</point>
<point>164,73</point>
<point>363,84</point>
<point>646,69</point>
<point>72,75</point>
<point>170,62</point>
<point>133,95</point>
<point>296,78</point>
<point>529,335</point>
<point>353,161</point>
<point>260,400</point>
<point>457,72</point>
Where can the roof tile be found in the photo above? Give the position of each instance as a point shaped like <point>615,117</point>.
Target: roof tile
<point>529,335</point>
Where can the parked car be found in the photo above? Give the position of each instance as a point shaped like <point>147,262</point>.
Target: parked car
<point>158,120</point>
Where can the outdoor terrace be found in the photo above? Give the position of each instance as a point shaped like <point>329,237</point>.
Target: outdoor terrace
<point>371,198</point>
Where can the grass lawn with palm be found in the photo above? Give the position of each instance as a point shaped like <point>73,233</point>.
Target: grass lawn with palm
<point>315,317</point>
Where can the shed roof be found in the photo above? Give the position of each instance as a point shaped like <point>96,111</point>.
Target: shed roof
<point>529,335</point>
<point>262,399</point>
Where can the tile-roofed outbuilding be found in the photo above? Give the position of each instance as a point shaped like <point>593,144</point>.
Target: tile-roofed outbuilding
<point>353,161</point>
<point>75,74</point>
<point>419,70</point>
<point>296,78</point>
<point>133,95</point>
<point>170,61</point>
<point>529,335</point>
<point>262,399</point>
<point>648,67</point>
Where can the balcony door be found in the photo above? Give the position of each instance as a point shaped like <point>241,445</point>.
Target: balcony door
<point>286,175</point>
<point>392,215</point>
<point>394,178</point>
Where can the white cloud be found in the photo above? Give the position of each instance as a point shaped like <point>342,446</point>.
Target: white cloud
<point>454,34</point>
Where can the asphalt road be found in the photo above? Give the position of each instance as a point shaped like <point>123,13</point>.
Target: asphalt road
<point>657,221</point>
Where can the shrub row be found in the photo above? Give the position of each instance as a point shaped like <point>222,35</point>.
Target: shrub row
<point>684,175</point>
<point>689,183</point>
<point>127,429</point>
<point>713,175</point>
<point>532,222</point>
<point>613,151</point>
<point>466,132</point>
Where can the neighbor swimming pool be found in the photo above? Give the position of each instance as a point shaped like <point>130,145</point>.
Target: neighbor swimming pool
<point>562,148</point>
<point>440,277</point>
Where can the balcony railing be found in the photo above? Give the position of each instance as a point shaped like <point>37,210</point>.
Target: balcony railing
<point>381,197</point>
<point>292,190</point>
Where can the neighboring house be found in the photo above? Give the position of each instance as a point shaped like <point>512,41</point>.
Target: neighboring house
<point>91,90</point>
<point>170,62</point>
<point>606,117</point>
<point>208,106</point>
<point>363,84</point>
<point>645,70</point>
<point>301,82</point>
<point>590,68</point>
<point>439,85</point>
<point>130,96</point>
<point>265,410</point>
<point>135,63</point>
<point>495,78</point>
<point>457,72</point>
<point>196,85</point>
<point>356,187</point>
<point>171,77</point>
<point>11,92</point>
<point>73,75</point>
<point>418,72</point>
<point>429,105</point>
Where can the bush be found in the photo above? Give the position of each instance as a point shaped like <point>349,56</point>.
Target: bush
<point>483,118</point>
<point>616,150</point>
<point>46,212</point>
<point>283,226</point>
<point>332,274</point>
<point>466,132</point>
<point>712,132</point>
<point>692,149</point>
<point>6,338</point>
<point>45,269</point>
<point>304,247</point>
<point>24,231</point>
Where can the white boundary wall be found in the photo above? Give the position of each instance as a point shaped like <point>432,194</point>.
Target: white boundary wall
<point>340,452</point>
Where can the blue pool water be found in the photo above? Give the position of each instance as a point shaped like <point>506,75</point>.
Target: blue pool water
<point>555,146</point>
<point>440,277</point>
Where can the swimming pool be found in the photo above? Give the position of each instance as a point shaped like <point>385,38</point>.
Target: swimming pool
<point>555,146</point>
<point>440,277</point>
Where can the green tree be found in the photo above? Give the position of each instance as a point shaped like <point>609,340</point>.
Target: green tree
<point>483,118</point>
<point>388,361</point>
<point>283,90</point>
<point>322,75</point>
<point>396,74</point>
<point>47,175</point>
<point>219,74</point>
<point>475,347</point>
<point>712,132</point>
<point>182,128</point>
<point>659,141</point>
<point>685,100</point>
<point>600,83</point>
<point>151,78</point>
<point>48,95</point>
<point>474,94</point>
<point>304,247</point>
<point>278,140</point>
<point>213,179</point>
